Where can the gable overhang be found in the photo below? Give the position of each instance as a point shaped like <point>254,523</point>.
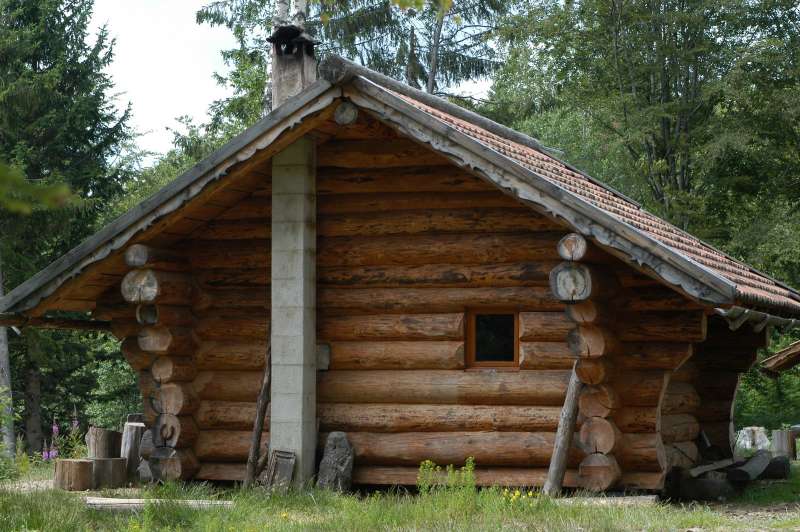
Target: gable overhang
<point>187,187</point>
<point>617,237</point>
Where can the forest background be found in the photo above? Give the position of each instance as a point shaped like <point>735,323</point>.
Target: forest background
<point>691,107</point>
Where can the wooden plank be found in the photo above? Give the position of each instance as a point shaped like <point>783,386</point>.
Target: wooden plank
<point>406,178</point>
<point>338,204</point>
<point>374,154</point>
<point>391,327</point>
<point>440,354</point>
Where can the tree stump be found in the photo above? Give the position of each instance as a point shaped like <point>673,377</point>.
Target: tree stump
<point>103,443</point>
<point>108,473</point>
<point>336,468</point>
<point>73,475</point>
<point>782,443</point>
<point>131,438</point>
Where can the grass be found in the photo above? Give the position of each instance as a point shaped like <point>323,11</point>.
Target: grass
<point>441,509</point>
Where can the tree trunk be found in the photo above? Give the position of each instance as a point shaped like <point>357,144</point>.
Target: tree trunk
<point>33,400</point>
<point>6,414</point>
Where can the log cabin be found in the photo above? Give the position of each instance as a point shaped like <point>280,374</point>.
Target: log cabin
<point>427,281</point>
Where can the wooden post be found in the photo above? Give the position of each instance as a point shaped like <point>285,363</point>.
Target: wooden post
<point>73,475</point>
<point>566,428</point>
<point>103,443</point>
<point>108,473</point>
<point>253,459</point>
<point>131,438</point>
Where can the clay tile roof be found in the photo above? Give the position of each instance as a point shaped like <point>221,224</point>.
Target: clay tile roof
<point>753,288</point>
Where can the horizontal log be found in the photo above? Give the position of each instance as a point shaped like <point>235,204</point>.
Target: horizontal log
<point>484,220</point>
<point>598,472</point>
<point>545,355</point>
<point>484,476</point>
<point>640,355</point>
<point>176,398</point>
<point>440,354</point>
<point>151,286</point>
<point>593,370</point>
<point>429,300</point>
<point>165,340</point>
<point>228,415</point>
<point>487,448</point>
<point>682,454</point>
<point>541,388</point>
<point>169,315</point>
<point>438,275</point>
<point>228,385</point>
<point>112,311</point>
<point>230,254</point>
<point>255,279</point>
<point>688,326</point>
<point>231,355</point>
<point>249,229</point>
<point>406,201</point>
<point>572,282</point>
<point>231,298</point>
<point>601,401</point>
<point>226,445</point>
<point>259,207</point>
<point>679,427</point>
<point>396,418</point>
<point>136,358</point>
<point>124,328</point>
<point>143,256</point>
<point>173,369</point>
<point>688,372</point>
<point>544,326</point>
<point>173,464</point>
<point>658,298</point>
<point>374,154</point>
<point>643,480</point>
<point>599,435</point>
<point>225,325</point>
<point>407,178</point>
<point>589,311</point>
<point>715,410</point>
<point>592,341</point>
<point>642,452</point>
<point>407,250</point>
<point>680,398</point>
<point>638,419</point>
<point>391,327</point>
<point>640,388</point>
<point>221,471</point>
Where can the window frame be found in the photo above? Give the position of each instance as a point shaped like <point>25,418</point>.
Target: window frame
<point>471,339</point>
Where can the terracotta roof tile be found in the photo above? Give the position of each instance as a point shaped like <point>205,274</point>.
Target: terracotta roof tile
<point>753,288</point>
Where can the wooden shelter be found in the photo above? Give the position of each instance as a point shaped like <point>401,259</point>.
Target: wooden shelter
<point>446,272</point>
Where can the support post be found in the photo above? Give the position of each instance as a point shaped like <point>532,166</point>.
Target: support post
<point>564,433</point>
<point>293,425</point>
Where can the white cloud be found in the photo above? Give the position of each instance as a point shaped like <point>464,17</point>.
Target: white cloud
<point>163,62</point>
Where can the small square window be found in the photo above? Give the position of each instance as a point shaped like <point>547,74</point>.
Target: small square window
<point>492,339</point>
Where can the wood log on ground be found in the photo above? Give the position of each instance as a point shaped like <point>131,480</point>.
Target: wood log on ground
<point>137,359</point>
<point>680,398</point>
<point>177,398</point>
<point>173,464</point>
<point>391,327</point>
<point>540,388</point>
<point>594,370</point>
<point>132,434</point>
<point>173,369</point>
<point>543,326</point>
<point>440,221</point>
<point>545,355</point>
<point>523,449</point>
<point>683,326</point>
<point>679,427</point>
<point>432,300</point>
<point>109,473</point>
<point>566,428</point>
<point>599,401</point>
<point>230,355</point>
<point>151,286</point>
<point>164,340</point>
<point>137,505</point>
<point>438,275</point>
<point>439,354</point>
<point>103,443</point>
<point>424,249</point>
<point>169,315</point>
<point>484,476</point>
<point>655,355</point>
<point>143,256</point>
<point>598,472</point>
<point>714,466</point>
<point>637,419</point>
<point>599,435</point>
<point>751,469</point>
<point>174,431</point>
<point>227,445</point>
<point>73,475</point>
<point>641,452</point>
<point>572,282</point>
<point>592,341</point>
<point>779,468</point>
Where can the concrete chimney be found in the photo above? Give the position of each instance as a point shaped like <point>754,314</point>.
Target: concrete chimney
<point>293,329</point>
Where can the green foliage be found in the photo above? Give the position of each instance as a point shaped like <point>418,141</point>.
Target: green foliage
<point>431,476</point>
<point>19,195</point>
<point>114,395</point>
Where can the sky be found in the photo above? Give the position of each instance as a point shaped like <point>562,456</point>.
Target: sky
<point>164,62</point>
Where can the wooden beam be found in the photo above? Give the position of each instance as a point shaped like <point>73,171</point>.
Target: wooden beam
<point>20,320</point>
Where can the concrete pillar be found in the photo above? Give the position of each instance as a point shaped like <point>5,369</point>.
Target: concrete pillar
<point>293,419</point>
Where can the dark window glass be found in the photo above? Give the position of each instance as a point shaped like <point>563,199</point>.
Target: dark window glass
<point>494,338</point>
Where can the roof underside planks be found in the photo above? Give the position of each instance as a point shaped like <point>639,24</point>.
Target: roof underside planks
<point>533,176</point>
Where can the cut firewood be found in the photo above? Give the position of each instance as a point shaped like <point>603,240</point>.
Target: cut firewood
<point>714,466</point>
<point>751,469</point>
